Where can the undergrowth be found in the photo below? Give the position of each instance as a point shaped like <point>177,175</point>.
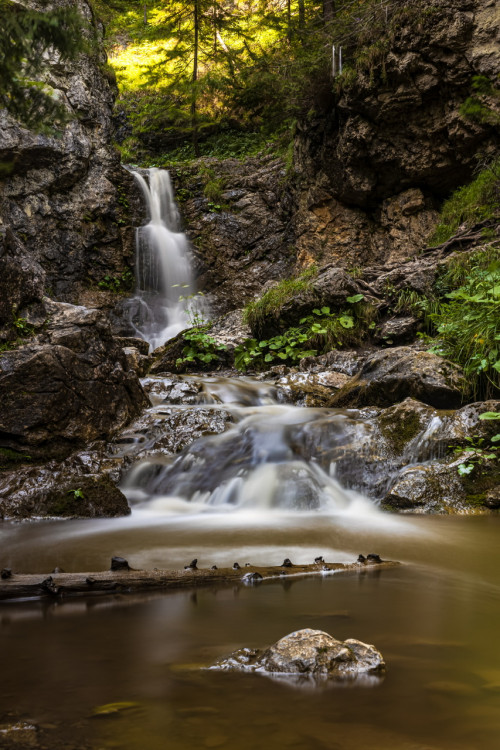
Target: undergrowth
<point>272,301</point>
<point>470,204</point>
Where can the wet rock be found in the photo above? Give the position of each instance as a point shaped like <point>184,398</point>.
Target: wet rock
<point>244,242</point>
<point>119,563</point>
<point>429,488</point>
<point>60,490</point>
<point>22,735</point>
<point>392,375</point>
<point>309,653</point>
<point>492,499</point>
<point>230,329</point>
<point>69,386</point>
<point>346,362</point>
<point>168,430</point>
<point>315,389</point>
<point>397,331</point>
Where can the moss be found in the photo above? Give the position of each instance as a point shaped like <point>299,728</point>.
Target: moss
<point>271,303</point>
<point>482,479</point>
<point>399,432</point>
<point>11,458</point>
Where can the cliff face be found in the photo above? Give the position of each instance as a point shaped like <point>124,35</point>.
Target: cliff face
<point>393,142</point>
<point>64,195</point>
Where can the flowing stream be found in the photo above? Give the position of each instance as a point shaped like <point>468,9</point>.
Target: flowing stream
<point>252,494</point>
<point>256,485</point>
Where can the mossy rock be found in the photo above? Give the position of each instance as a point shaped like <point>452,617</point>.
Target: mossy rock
<point>86,497</point>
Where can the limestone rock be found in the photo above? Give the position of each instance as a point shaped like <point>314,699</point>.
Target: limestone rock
<point>309,653</point>
<point>67,387</point>
<point>392,375</point>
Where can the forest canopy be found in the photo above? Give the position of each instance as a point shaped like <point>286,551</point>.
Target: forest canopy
<point>228,66</point>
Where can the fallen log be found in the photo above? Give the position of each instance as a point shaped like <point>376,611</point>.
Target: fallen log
<point>127,580</point>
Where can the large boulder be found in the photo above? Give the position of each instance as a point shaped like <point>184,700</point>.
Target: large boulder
<point>309,653</point>
<point>67,387</point>
<point>392,375</point>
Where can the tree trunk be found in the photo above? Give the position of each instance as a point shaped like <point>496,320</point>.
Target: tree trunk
<point>329,9</point>
<point>302,15</point>
<point>194,114</point>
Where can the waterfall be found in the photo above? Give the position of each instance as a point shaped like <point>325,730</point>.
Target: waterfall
<point>164,296</point>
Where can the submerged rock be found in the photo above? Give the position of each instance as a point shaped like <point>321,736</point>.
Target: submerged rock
<point>308,653</point>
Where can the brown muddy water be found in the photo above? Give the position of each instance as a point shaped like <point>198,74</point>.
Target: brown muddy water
<point>435,619</point>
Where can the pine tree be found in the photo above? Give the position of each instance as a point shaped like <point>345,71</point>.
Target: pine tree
<point>27,41</point>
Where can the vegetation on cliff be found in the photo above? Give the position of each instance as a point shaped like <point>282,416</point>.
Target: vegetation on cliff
<point>29,41</point>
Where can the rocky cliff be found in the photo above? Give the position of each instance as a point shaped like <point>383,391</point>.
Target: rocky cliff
<point>64,196</point>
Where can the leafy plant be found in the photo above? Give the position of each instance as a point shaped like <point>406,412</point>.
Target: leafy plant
<point>122,283</point>
<point>77,494</point>
<point>479,453</point>
<point>200,346</point>
<point>321,331</point>
<point>468,329</point>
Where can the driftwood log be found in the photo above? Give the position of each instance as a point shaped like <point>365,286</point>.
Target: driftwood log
<point>127,580</point>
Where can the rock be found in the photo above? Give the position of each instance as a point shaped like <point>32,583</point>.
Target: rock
<point>21,735</point>
<point>244,243</point>
<point>66,197</point>
<point>314,390</point>
<point>492,499</point>
<point>69,386</point>
<point>398,330</point>
<point>330,288</point>
<point>119,563</point>
<point>22,279</point>
<point>309,653</point>
<point>60,490</point>
<point>430,488</point>
<point>392,375</point>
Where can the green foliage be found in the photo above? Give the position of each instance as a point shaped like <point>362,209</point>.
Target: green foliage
<point>77,494</point>
<point>29,40</point>
<point>321,331</point>
<point>482,106</point>
<point>470,204</point>
<point>200,346</point>
<point>468,323</point>
<point>124,282</point>
<point>10,457</point>
<point>479,453</point>
<point>275,298</point>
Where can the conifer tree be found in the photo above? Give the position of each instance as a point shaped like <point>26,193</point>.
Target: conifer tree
<point>28,40</point>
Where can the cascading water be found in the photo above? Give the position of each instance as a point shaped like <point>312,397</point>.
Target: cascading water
<point>259,464</point>
<point>164,284</point>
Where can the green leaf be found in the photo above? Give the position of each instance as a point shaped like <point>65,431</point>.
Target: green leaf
<point>464,469</point>
<point>346,321</point>
<point>326,310</point>
<point>355,298</point>
<point>490,415</point>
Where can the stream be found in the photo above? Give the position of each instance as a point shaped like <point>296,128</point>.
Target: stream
<point>130,672</point>
<point>434,618</point>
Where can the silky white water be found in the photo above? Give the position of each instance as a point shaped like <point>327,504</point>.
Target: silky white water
<point>164,301</point>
